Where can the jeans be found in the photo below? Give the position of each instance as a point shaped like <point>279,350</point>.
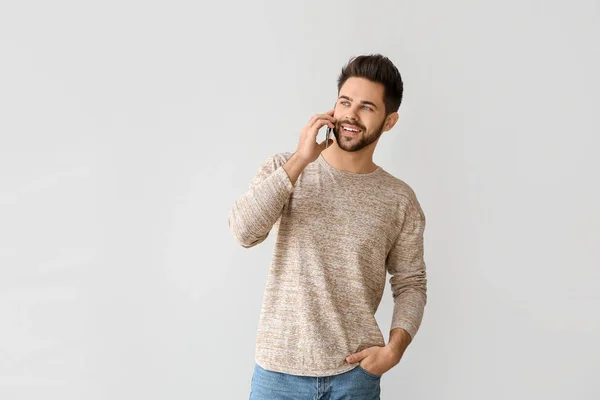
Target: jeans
<point>356,384</point>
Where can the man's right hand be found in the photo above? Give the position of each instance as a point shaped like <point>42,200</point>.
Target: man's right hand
<point>308,148</point>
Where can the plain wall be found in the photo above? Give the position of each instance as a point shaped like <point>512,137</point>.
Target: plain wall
<point>129,128</point>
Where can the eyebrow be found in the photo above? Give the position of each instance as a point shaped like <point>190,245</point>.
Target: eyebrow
<point>362,101</point>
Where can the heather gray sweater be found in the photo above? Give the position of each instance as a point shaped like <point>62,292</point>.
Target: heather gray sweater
<point>337,234</point>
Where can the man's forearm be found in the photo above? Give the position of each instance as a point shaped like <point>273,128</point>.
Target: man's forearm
<point>399,340</point>
<point>294,167</point>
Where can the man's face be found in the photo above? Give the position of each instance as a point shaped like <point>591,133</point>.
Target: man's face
<point>360,114</point>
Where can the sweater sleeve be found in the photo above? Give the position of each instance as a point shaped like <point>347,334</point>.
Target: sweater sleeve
<point>256,211</point>
<point>406,264</point>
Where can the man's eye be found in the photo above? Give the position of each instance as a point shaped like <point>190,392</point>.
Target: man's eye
<point>368,108</point>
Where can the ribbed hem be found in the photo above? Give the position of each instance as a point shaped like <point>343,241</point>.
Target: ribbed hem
<point>303,372</point>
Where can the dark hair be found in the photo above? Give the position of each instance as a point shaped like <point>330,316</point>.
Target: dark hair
<point>379,69</point>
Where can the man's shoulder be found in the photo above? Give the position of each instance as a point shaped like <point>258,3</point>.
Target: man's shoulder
<point>396,186</point>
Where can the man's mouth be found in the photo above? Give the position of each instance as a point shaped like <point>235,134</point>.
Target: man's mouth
<point>351,129</point>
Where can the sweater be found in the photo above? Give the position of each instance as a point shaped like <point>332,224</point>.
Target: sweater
<point>337,235</point>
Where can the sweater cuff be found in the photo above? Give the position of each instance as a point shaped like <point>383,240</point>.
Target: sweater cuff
<point>407,326</point>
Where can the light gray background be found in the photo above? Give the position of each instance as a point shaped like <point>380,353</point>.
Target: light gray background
<point>128,129</point>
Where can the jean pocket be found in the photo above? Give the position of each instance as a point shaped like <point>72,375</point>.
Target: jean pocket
<point>370,375</point>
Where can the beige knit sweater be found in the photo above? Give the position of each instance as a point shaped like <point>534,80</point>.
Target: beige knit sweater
<point>337,234</point>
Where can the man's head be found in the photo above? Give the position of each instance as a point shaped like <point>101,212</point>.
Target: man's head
<point>369,95</point>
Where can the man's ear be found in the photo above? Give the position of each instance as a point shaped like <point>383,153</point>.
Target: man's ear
<point>390,121</point>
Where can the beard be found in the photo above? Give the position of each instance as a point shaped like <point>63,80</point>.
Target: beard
<point>358,142</point>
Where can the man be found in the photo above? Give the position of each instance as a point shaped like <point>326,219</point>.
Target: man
<point>342,222</point>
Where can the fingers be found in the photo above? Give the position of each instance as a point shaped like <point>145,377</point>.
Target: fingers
<point>326,116</point>
<point>313,132</point>
<point>322,122</point>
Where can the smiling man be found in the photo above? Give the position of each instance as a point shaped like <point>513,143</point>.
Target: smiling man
<point>342,223</point>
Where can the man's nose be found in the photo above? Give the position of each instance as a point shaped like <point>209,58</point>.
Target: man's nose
<point>352,115</point>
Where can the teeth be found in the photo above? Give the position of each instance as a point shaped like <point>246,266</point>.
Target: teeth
<point>351,130</point>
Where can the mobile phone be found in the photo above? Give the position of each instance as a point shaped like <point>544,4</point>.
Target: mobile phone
<point>327,137</point>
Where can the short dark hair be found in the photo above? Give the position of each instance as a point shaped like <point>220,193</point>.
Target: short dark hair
<point>379,69</point>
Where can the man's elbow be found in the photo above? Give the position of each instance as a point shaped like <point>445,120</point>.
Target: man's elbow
<point>243,236</point>
<point>248,242</point>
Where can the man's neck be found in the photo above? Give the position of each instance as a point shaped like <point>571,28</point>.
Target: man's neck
<point>358,162</point>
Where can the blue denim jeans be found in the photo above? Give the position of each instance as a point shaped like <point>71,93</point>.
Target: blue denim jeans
<point>356,384</point>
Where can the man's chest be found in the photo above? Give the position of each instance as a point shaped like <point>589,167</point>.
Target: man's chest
<point>364,219</point>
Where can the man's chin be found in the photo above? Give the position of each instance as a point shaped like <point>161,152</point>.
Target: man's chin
<point>351,149</point>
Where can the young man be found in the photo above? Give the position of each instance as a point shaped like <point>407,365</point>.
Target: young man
<point>342,222</point>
